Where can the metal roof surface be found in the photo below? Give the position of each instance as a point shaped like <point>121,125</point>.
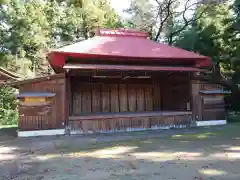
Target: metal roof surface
<point>124,46</point>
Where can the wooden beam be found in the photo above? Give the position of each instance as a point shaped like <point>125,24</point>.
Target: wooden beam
<point>131,68</point>
<point>129,115</point>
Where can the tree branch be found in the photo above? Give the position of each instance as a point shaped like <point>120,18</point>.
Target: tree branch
<point>162,21</point>
<point>186,21</point>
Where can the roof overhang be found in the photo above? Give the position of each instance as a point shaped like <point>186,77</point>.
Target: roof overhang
<point>130,68</point>
<point>8,75</point>
<point>35,94</point>
<point>215,92</point>
<point>122,45</point>
<point>18,83</point>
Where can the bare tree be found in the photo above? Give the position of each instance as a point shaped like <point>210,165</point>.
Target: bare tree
<point>161,16</point>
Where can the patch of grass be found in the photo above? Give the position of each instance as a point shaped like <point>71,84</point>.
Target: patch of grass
<point>8,126</point>
<point>233,116</point>
<point>8,130</point>
<point>226,131</point>
<point>229,130</point>
<point>145,142</point>
<point>204,135</point>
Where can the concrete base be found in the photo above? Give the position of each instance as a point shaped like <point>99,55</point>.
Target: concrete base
<point>211,123</point>
<point>51,132</point>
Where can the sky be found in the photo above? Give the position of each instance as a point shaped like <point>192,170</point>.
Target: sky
<point>120,5</point>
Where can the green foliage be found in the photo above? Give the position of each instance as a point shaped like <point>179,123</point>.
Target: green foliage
<point>8,106</point>
<point>29,29</point>
<point>206,36</point>
<point>212,29</point>
<point>3,2</point>
<point>233,116</point>
<point>217,35</point>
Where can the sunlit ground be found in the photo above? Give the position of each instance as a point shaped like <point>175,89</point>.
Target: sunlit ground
<point>200,156</point>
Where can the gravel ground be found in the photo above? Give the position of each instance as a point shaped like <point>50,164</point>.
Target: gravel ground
<point>195,154</point>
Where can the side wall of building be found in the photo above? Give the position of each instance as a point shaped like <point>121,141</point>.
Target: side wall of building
<point>207,107</point>
<point>46,117</point>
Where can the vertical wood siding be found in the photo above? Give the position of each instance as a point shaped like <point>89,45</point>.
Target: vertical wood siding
<point>44,117</point>
<point>95,98</point>
<point>120,97</point>
<point>213,106</point>
<point>103,125</point>
<point>210,107</point>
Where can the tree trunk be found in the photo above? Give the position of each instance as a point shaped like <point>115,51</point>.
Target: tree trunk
<point>85,29</point>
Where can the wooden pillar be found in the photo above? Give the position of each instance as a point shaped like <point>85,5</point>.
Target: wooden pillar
<point>70,97</point>
<point>196,100</point>
<point>66,98</point>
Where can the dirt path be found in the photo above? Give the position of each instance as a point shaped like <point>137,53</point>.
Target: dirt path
<point>206,154</point>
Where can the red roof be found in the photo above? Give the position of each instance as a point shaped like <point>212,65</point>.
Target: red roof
<point>124,44</point>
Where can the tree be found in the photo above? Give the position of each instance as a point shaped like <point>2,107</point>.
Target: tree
<point>216,35</point>
<point>212,29</point>
<point>24,35</point>
<point>8,106</point>
<point>84,17</point>
<point>165,19</point>
<point>29,29</point>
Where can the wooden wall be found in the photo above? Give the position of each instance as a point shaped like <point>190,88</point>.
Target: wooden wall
<point>213,106</point>
<point>207,107</point>
<point>124,96</point>
<point>50,116</point>
<point>131,123</point>
<point>93,98</point>
<point>196,100</point>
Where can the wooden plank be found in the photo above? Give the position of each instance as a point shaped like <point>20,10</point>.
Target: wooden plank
<point>77,102</point>
<point>214,114</point>
<point>123,98</point>
<point>67,99</point>
<point>149,97</point>
<point>52,119</point>
<point>86,99</point>
<point>156,97</point>
<point>134,114</point>
<point>105,98</point>
<point>35,111</point>
<point>96,98</point>
<point>132,98</point>
<point>196,100</point>
<point>214,106</point>
<point>131,123</point>
<point>140,98</point>
<point>114,98</point>
<point>56,107</point>
<point>210,99</point>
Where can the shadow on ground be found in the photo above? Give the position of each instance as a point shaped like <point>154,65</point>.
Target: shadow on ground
<point>194,154</point>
